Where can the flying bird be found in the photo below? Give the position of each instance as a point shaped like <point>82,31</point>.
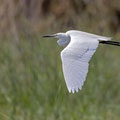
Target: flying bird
<point>79,48</point>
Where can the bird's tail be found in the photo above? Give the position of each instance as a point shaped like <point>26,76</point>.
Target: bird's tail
<point>110,43</point>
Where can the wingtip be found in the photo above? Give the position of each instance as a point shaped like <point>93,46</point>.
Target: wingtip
<point>73,90</point>
<point>105,38</point>
<point>69,90</point>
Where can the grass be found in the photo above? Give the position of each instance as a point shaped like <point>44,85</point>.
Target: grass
<point>32,86</point>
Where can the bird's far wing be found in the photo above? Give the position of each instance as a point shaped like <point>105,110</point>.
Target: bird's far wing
<point>75,61</point>
<point>87,35</point>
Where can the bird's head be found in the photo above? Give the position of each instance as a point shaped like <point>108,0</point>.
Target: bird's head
<point>64,39</point>
<point>57,35</point>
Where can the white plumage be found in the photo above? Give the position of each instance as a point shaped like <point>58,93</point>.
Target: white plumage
<point>80,47</point>
<point>76,56</point>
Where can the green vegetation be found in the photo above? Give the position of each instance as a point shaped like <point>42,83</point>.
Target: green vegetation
<point>32,86</point>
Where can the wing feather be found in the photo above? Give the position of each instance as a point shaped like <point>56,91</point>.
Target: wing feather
<point>87,35</point>
<point>75,61</point>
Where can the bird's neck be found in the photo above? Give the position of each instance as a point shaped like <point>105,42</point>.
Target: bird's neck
<point>64,41</point>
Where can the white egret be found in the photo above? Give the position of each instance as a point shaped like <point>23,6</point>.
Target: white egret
<point>79,48</point>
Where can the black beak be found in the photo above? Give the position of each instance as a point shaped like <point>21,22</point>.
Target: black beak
<point>49,36</point>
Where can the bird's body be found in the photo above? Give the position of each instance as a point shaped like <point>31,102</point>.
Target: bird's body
<point>79,48</point>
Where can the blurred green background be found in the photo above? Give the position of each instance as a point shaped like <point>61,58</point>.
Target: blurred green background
<point>32,85</point>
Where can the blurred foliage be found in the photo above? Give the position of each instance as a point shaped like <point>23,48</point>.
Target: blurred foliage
<point>42,15</point>
<point>32,86</point>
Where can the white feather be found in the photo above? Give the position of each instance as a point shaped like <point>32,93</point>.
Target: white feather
<point>80,47</point>
<point>86,35</point>
<point>75,60</point>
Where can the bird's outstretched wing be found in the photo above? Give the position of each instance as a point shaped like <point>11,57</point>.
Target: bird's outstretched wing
<point>75,61</point>
<point>82,34</point>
